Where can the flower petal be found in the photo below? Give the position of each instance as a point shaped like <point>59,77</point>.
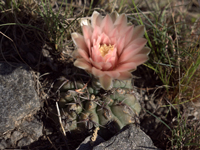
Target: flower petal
<point>96,32</point>
<point>114,15</point>
<point>145,50</point>
<point>87,32</point>
<point>125,75</point>
<point>83,53</point>
<point>121,20</point>
<point>106,82</point>
<point>96,56</point>
<point>107,24</point>
<point>120,45</point>
<point>96,19</point>
<point>84,22</point>
<point>133,48</point>
<point>111,58</point>
<point>105,39</point>
<point>126,67</point>
<point>88,43</point>
<point>114,33</point>
<point>105,65</point>
<point>96,72</point>
<point>95,64</point>
<point>138,59</point>
<point>129,34</point>
<point>76,54</point>
<point>112,74</point>
<point>82,64</point>
<point>78,39</point>
<point>138,32</point>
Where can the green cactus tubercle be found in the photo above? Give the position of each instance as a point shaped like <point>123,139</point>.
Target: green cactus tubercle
<point>87,108</point>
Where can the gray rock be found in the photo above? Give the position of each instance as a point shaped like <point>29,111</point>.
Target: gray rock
<point>130,137</point>
<point>32,128</point>
<point>18,98</point>
<point>3,144</point>
<point>25,141</point>
<point>85,145</point>
<point>28,131</point>
<point>16,135</point>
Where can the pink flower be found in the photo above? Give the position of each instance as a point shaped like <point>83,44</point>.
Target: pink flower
<point>109,48</point>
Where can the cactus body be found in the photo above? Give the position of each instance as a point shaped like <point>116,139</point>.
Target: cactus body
<point>88,108</point>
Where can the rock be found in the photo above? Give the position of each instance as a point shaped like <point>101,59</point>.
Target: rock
<point>85,145</point>
<point>16,135</point>
<point>29,131</point>
<point>25,141</point>
<point>32,128</point>
<point>3,144</point>
<point>18,96</point>
<point>19,102</point>
<point>130,137</point>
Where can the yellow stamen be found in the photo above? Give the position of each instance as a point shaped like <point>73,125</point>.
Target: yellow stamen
<point>104,49</point>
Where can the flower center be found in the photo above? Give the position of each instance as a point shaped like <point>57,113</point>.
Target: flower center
<point>104,49</point>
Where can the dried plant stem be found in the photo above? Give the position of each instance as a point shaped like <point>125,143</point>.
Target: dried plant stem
<point>59,117</point>
<point>51,143</point>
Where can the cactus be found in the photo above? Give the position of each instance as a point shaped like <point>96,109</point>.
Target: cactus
<point>85,107</point>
